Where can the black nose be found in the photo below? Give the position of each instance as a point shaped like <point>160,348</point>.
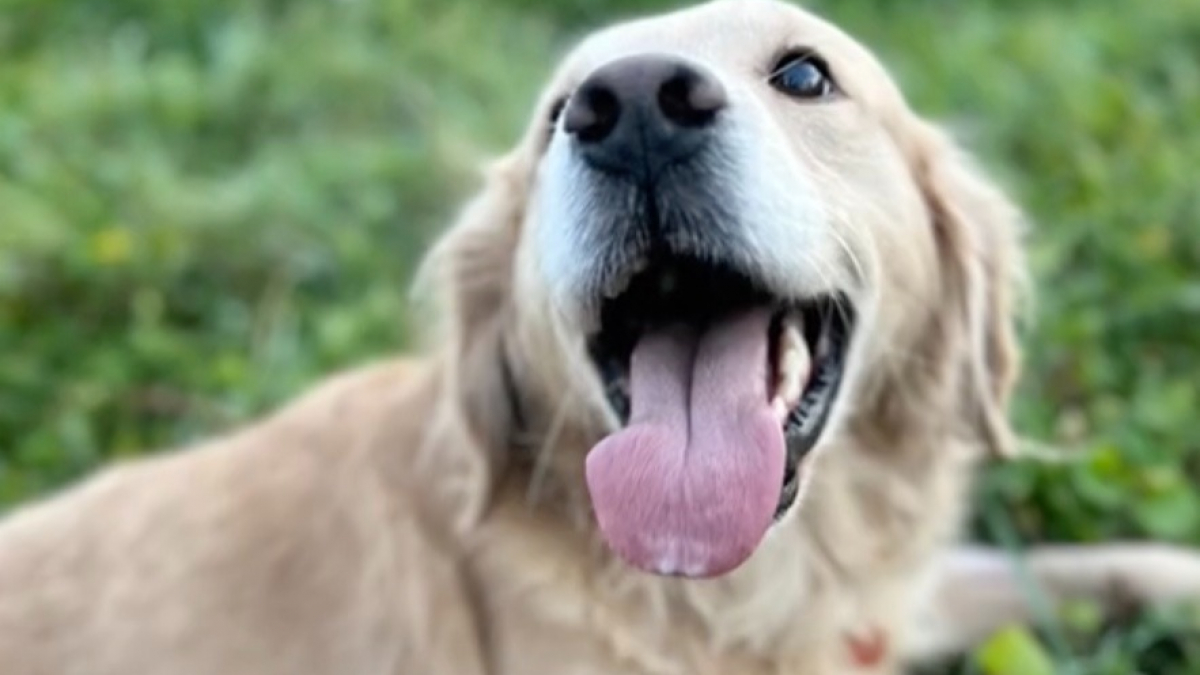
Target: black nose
<point>639,113</point>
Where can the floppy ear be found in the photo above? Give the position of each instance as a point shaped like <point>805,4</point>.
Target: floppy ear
<point>469,273</point>
<point>978,231</point>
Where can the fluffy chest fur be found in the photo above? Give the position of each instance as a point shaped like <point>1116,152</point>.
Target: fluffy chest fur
<point>836,588</point>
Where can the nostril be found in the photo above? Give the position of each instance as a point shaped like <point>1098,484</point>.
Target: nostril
<point>592,114</point>
<point>638,114</point>
<point>691,99</point>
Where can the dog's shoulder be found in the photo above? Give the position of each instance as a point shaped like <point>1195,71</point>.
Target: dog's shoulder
<point>275,523</point>
<point>292,446</point>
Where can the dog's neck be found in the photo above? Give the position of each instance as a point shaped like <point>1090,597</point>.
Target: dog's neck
<point>799,579</point>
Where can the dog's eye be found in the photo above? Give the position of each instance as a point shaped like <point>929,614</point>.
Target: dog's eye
<point>556,110</point>
<point>802,75</point>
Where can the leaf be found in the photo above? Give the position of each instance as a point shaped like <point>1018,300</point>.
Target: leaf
<point>1171,514</point>
<point>1013,651</point>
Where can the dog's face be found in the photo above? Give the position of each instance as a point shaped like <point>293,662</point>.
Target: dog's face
<point>741,240</point>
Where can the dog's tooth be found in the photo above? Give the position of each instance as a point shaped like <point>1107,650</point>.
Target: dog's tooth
<point>796,363</point>
<point>779,408</point>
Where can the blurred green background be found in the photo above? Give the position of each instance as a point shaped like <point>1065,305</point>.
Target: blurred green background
<point>207,204</point>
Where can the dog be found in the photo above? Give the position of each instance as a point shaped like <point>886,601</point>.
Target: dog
<point>717,349</point>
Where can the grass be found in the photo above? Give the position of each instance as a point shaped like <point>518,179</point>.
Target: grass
<point>205,205</point>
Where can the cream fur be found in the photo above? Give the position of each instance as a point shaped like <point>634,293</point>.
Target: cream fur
<point>393,520</point>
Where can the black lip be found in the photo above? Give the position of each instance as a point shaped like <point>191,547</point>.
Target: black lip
<point>832,320</point>
<point>702,292</point>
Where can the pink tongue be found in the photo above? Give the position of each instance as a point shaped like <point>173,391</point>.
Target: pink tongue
<point>690,485</point>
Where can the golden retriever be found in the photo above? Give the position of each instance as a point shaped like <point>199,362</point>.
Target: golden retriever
<point>721,340</point>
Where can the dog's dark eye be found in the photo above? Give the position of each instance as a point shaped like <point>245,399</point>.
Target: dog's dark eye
<point>802,75</point>
<point>556,110</point>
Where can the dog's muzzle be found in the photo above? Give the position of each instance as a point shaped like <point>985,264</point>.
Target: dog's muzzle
<point>722,378</point>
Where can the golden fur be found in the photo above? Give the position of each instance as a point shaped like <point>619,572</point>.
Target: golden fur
<point>429,515</point>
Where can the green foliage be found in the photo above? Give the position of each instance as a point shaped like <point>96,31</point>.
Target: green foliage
<point>206,204</point>
<point>1013,651</point>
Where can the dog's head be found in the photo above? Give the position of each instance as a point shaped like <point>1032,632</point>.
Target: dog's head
<point>724,242</point>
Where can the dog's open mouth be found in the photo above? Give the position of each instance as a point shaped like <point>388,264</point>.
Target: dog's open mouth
<point>724,389</point>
